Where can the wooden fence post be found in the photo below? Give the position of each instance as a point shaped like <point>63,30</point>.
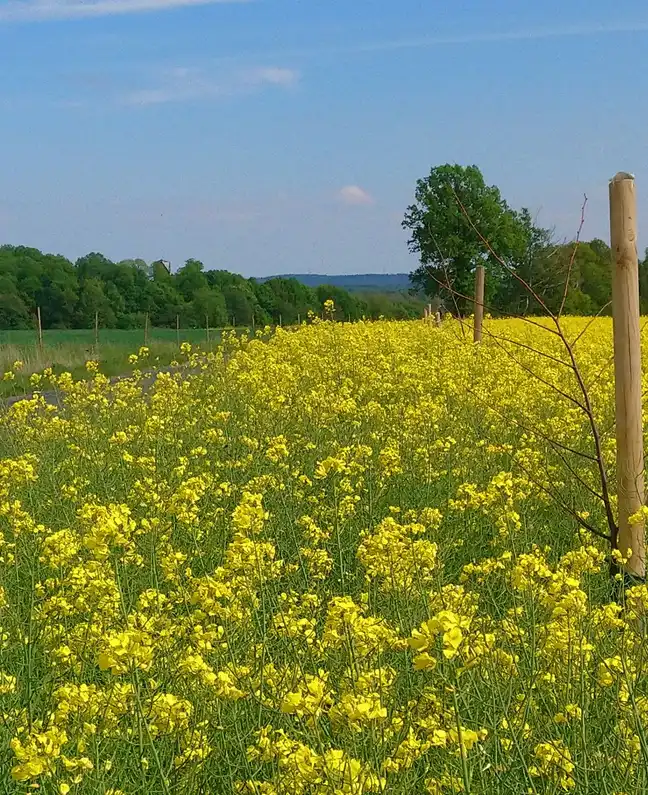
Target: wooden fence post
<point>40,329</point>
<point>479,303</point>
<point>207,328</point>
<point>178,330</point>
<point>627,370</point>
<point>146,329</point>
<point>96,330</point>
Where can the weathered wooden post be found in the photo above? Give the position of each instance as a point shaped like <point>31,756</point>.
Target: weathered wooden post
<point>207,328</point>
<point>96,330</point>
<point>40,329</point>
<point>437,318</point>
<point>178,330</point>
<point>627,371</point>
<point>479,303</point>
<point>146,329</point>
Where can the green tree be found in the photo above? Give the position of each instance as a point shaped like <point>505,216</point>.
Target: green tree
<point>190,279</point>
<point>95,265</point>
<point>347,306</point>
<point>448,246</point>
<point>209,303</point>
<point>240,303</point>
<point>93,299</point>
<point>13,312</point>
<point>58,293</point>
<point>533,268</point>
<point>643,283</point>
<point>164,304</point>
<point>286,300</point>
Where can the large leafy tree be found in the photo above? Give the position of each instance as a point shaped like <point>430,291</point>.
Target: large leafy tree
<point>93,300</point>
<point>58,292</point>
<point>209,306</point>
<point>453,209</point>
<point>191,279</point>
<point>347,306</point>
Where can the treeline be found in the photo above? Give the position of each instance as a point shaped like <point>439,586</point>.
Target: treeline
<point>121,294</point>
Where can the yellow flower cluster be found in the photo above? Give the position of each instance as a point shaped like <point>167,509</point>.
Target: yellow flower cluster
<point>333,560</point>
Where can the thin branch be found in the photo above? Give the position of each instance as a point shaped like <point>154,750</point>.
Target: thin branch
<point>501,261</point>
<point>572,259</point>
<point>586,406</point>
<point>590,321</point>
<point>488,307</point>
<point>530,348</point>
<point>542,380</point>
<point>614,530</point>
<point>534,431</point>
<point>586,525</point>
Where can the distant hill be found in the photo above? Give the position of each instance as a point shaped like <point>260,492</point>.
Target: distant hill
<point>354,282</point>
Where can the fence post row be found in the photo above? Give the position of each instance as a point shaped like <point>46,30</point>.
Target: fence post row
<point>627,371</point>
<point>479,303</point>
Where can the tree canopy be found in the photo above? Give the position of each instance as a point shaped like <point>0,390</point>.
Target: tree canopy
<point>120,294</point>
<point>458,222</point>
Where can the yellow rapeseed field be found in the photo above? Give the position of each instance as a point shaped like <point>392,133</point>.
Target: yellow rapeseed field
<point>341,560</point>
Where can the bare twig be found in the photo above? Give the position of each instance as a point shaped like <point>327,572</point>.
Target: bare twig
<point>572,259</point>
<point>585,405</point>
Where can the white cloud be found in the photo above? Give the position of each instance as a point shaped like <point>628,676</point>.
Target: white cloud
<point>182,84</point>
<point>354,194</point>
<point>273,75</point>
<point>42,10</point>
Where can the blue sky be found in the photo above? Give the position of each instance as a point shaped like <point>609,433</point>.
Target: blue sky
<point>276,136</point>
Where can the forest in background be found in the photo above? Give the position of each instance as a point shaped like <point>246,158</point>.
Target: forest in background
<point>122,294</point>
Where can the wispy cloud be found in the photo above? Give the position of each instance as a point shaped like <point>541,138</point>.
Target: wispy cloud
<point>43,10</point>
<point>182,84</point>
<point>354,194</point>
<point>459,39</point>
<point>481,37</point>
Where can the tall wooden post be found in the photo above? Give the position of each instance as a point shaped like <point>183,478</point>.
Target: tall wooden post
<point>479,303</point>
<point>96,330</point>
<point>627,370</point>
<point>178,330</point>
<point>146,329</point>
<point>207,328</point>
<point>40,329</point>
